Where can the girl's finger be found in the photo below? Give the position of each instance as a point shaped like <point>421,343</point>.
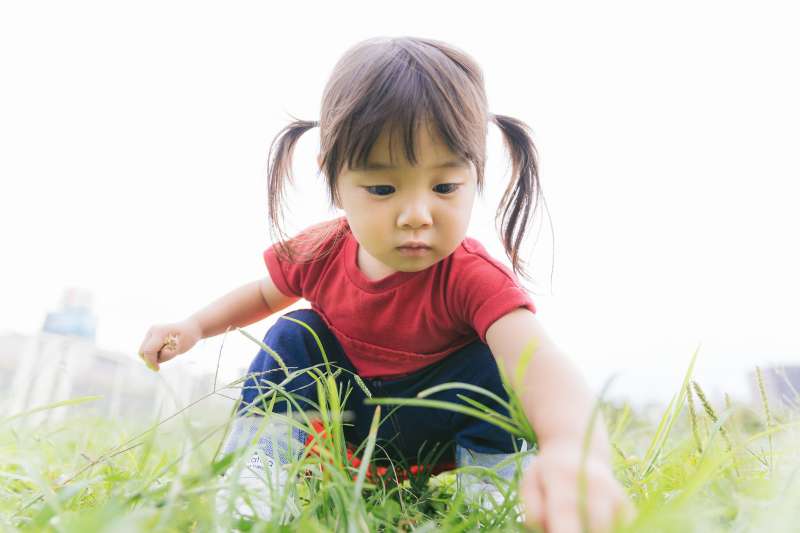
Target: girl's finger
<point>562,518</point>
<point>532,497</point>
<point>143,346</point>
<point>561,511</point>
<point>166,353</point>
<point>150,355</point>
<point>601,512</point>
<point>150,359</point>
<point>168,348</point>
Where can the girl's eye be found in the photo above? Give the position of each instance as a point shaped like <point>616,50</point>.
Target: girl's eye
<point>450,187</point>
<point>380,190</point>
<point>386,190</point>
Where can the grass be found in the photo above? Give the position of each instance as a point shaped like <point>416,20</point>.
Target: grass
<point>694,467</point>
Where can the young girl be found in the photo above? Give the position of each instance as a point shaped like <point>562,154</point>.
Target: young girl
<point>400,295</point>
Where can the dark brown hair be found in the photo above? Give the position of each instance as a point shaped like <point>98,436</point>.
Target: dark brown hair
<point>400,83</point>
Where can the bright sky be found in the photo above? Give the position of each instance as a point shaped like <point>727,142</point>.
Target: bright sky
<point>134,143</point>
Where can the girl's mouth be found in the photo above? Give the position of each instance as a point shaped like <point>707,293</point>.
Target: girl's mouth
<point>414,251</point>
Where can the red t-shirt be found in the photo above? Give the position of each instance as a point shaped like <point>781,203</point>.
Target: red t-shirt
<point>407,320</point>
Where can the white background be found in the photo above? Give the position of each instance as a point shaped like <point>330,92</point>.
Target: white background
<point>133,144</point>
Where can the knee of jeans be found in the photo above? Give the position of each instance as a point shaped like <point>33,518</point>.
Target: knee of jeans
<point>290,345</point>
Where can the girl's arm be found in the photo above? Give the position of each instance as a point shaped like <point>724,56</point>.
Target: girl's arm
<point>553,393</point>
<point>559,404</point>
<point>241,307</point>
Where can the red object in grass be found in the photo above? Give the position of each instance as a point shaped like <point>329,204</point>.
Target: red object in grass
<point>375,472</point>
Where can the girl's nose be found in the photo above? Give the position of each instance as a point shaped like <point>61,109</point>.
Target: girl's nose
<point>415,215</point>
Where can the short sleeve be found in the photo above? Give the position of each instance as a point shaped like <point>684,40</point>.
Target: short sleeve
<point>314,244</point>
<point>484,291</point>
<point>287,277</point>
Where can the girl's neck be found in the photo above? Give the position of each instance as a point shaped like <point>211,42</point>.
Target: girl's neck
<point>373,269</point>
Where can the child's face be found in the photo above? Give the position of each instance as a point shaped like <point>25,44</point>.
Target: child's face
<point>388,207</point>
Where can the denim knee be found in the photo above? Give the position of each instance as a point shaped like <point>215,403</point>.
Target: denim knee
<point>296,348</point>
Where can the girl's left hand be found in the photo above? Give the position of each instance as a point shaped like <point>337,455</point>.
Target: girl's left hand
<point>550,492</point>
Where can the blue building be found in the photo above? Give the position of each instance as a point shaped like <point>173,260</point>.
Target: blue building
<point>75,317</point>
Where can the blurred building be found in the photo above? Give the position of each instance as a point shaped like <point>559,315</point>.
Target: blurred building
<point>75,317</point>
<point>781,385</point>
<point>63,362</point>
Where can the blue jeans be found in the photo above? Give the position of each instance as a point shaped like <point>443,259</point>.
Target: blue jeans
<point>410,432</point>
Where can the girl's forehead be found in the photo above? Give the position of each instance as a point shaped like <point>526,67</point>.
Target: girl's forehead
<point>390,148</point>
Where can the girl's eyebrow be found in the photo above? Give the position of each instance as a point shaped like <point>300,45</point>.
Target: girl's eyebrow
<point>377,165</point>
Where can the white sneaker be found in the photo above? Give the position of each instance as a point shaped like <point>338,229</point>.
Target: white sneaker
<point>262,481</point>
<point>482,490</point>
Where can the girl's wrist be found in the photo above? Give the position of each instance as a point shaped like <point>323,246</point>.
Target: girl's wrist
<point>599,448</point>
<point>194,327</point>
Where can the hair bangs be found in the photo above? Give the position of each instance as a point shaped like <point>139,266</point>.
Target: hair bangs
<point>406,92</point>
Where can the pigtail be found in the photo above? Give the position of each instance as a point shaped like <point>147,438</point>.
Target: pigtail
<point>280,168</point>
<point>518,204</point>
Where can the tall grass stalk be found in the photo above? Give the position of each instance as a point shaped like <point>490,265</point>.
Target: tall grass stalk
<point>767,413</point>
<point>668,420</point>
<point>709,409</point>
<point>693,419</point>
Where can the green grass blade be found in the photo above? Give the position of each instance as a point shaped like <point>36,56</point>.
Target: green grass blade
<point>466,386</point>
<point>54,405</point>
<point>671,416</point>
<point>449,406</point>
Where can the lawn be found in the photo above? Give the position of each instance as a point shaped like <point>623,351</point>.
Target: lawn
<point>688,466</point>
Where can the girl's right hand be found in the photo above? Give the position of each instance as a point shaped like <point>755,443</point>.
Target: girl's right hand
<point>165,341</point>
